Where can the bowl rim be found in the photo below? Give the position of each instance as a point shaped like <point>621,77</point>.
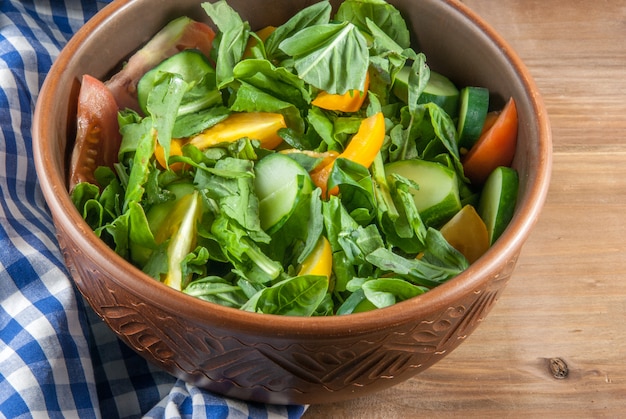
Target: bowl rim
<point>154,292</point>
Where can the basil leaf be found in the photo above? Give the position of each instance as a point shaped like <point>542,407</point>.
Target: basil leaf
<point>323,54</point>
<point>316,14</point>
<point>275,81</point>
<point>252,99</point>
<point>383,14</point>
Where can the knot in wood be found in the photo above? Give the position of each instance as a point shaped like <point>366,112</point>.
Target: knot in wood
<point>558,368</point>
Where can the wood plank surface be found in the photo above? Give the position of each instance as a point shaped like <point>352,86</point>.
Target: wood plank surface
<point>565,306</point>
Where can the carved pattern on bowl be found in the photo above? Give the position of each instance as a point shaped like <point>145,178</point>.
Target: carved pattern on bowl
<point>219,359</point>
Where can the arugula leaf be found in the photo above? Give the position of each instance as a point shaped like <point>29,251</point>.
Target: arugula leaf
<point>192,123</point>
<point>247,258</point>
<point>163,100</point>
<point>417,271</point>
<point>141,162</point>
<point>322,53</point>
<point>355,185</point>
<point>232,39</point>
<point>440,252</point>
<point>418,79</point>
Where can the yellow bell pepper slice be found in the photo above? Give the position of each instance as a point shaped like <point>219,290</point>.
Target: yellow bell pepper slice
<point>351,101</point>
<point>467,233</point>
<point>362,149</point>
<point>319,261</point>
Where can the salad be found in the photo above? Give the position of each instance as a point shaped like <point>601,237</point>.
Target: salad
<point>315,168</point>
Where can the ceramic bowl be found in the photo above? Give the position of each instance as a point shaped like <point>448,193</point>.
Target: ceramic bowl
<point>281,359</point>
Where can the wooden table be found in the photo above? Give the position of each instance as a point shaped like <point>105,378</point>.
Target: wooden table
<point>565,306</point>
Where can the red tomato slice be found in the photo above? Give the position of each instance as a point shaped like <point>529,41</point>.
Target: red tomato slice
<point>97,132</point>
<point>495,147</point>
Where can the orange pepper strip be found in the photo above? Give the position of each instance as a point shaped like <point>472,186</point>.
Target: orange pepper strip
<point>262,126</point>
<point>351,101</point>
<point>362,149</point>
<point>176,149</point>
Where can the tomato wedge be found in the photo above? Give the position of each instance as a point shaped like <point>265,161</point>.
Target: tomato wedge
<point>97,132</point>
<point>495,147</point>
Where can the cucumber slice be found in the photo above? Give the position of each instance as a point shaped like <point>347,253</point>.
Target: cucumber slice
<point>190,64</point>
<point>498,199</point>
<point>474,105</point>
<point>437,199</point>
<point>443,92</point>
<point>439,90</point>
<point>281,184</point>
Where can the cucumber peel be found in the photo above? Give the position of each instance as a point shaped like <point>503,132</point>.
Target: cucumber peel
<point>439,90</point>
<point>437,199</point>
<point>190,64</point>
<point>498,200</point>
<point>473,108</point>
<point>281,184</point>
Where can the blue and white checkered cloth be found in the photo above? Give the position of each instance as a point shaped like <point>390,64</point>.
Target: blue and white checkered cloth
<point>57,359</point>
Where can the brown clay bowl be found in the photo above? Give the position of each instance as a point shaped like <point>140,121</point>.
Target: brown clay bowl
<point>280,359</point>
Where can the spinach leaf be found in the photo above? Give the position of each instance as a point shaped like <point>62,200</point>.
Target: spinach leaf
<point>417,271</point>
<point>297,296</point>
<point>384,292</point>
<point>217,290</point>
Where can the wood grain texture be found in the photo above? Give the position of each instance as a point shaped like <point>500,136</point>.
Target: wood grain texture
<point>565,306</point>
